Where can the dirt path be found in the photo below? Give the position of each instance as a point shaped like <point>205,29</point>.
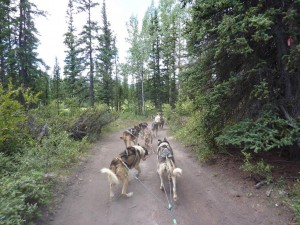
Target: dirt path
<point>207,196</point>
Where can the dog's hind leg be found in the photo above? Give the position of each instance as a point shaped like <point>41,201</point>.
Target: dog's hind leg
<point>160,171</point>
<point>135,140</point>
<point>111,193</point>
<point>137,167</point>
<point>124,189</point>
<point>174,188</point>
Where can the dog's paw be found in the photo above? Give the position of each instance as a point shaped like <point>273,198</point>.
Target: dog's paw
<point>175,198</point>
<point>162,188</point>
<point>129,194</point>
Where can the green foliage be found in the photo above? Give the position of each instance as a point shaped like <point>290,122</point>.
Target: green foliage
<point>57,152</point>
<point>13,133</point>
<point>264,134</point>
<point>294,200</point>
<point>24,185</point>
<point>21,193</point>
<point>106,56</point>
<point>240,69</point>
<point>6,164</point>
<point>261,91</point>
<point>260,168</point>
<point>187,126</point>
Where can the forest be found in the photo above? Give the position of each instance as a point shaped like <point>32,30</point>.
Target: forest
<point>225,74</point>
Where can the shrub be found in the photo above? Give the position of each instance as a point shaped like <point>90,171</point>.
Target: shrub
<point>21,194</point>
<point>14,133</point>
<point>260,168</point>
<point>264,134</point>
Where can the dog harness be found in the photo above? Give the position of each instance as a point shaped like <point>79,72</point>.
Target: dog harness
<point>164,153</point>
<point>133,132</point>
<point>124,155</point>
<point>143,125</point>
<point>154,125</point>
<point>164,150</point>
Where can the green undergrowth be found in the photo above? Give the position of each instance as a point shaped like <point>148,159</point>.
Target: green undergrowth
<point>248,139</point>
<point>27,178</point>
<point>184,125</point>
<point>126,120</point>
<point>294,200</point>
<point>32,166</point>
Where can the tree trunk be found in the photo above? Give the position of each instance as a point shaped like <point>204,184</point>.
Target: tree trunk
<point>91,90</point>
<point>281,51</point>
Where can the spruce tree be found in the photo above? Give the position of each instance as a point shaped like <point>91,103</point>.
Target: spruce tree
<point>27,45</point>
<point>86,40</point>
<point>56,86</point>
<point>73,67</point>
<point>156,93</point>
<point>106,56</point>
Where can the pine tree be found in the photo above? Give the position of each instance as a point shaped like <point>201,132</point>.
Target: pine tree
<point>87,38</point>
<point>73,63</point>
<point>106,56</point>
<point>169,35</point>
<point>5,47</point>
<point>18,44</point>
<point>56,87</point>
<point>27,44</point>
<point>156,94</point>
<point>242,63</point>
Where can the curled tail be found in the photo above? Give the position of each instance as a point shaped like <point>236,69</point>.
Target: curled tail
<point>111,175</point>
<point>176,171</point>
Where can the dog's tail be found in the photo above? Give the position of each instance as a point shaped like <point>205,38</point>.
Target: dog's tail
<point>177,172</point>
<point>111,175</point>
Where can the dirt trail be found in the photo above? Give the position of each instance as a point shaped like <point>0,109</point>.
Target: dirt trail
<point>206,195</point>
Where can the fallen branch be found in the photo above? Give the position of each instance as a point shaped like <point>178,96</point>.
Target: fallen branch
<point>270,189</point>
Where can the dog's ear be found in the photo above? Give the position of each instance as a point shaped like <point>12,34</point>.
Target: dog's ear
<point>159,141</point>
<point>165,139</point>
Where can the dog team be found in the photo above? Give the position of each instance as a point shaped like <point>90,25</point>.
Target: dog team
<point>134,153</point>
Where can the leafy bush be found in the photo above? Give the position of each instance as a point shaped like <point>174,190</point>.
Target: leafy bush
<point>188,128</point>
<point>21,194</point>
<point>266,133</point>
<point>60,151</point>
<point>6,165</point>
<point>13,133</point>
<point>25,161</point>
<point>260,168</point>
